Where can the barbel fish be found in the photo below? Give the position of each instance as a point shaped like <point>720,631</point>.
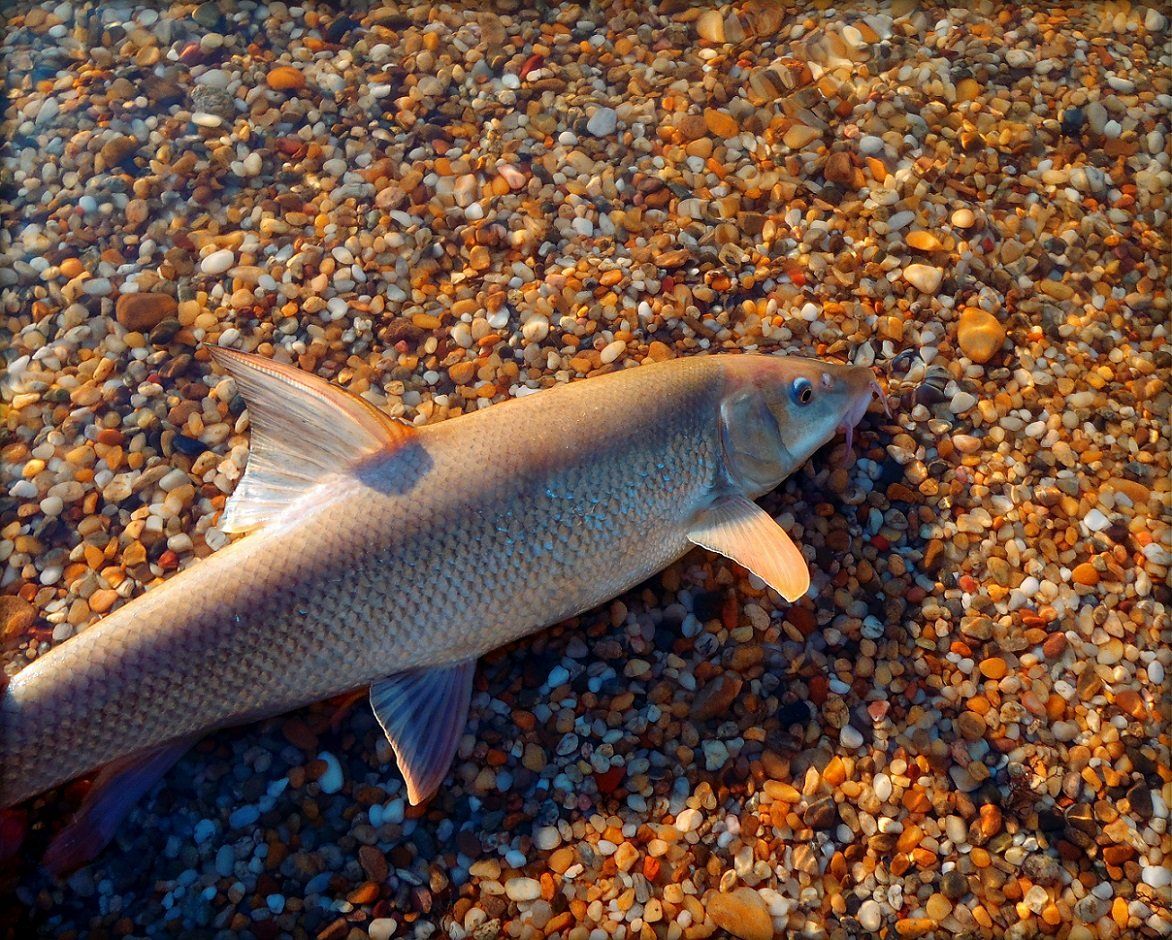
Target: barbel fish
<point>392,556</point>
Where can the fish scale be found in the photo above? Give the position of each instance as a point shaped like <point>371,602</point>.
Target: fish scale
<point>483,529</point>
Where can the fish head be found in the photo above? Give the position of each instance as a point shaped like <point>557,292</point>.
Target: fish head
<point>778,410</point>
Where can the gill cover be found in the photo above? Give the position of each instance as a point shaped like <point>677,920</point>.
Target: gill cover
<point>755,457</point>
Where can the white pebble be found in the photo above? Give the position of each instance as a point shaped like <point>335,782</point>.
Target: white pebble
<point>173,479</point>
<point>611,351</point>
<point>924,277</point>
<point>331,780</point>
<point>217,262</point>
<point>546,838</point>
<point>870,915</point>
<point>688,820</point>
<point>382,928</point>
<point>602,122</point>
<point>962,402</point>
<point>1095,521</point>
<point>1157,876</point>
<point>523,889</point>
<point>850,738</point>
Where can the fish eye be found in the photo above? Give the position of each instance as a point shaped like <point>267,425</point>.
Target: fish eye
<point>801,391</point>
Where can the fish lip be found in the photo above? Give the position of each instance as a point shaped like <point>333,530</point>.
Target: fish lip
<point>854,414</point>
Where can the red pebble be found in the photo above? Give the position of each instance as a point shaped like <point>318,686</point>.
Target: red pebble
<point>13,825</point>
<point>967,583</point>
<point>609,781</point>
<point>880,542</point>
<point>192,54</point>
<point>534,61</point>
<point>168,561</point>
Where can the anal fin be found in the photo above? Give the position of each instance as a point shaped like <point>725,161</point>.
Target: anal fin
<point>739,529</point>
<point>423,712</point>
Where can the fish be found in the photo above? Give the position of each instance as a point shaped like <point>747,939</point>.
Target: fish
<point>377,553</point>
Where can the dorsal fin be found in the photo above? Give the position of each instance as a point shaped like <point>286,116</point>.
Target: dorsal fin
<point>303,430</point>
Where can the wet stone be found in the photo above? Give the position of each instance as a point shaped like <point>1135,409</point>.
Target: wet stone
<point>215,101</point>
<point>821,814</point>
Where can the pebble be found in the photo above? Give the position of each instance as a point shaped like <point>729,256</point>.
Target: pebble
<point>143,312</point>
<point>445,213</point>
<point>523,889</point>
<point>285,78</point>
<point>16,615</point>
<point>925,241</point>
<point>870,916</point>
<point>994,668</point>
<point>710,26</point>
<point>217,262</point>
<point>962,402</point>
<point>954,885</point>
<point>923,277</point>
<point>720,124</point>
<point>1157,876</point>
<point>382,928</point>
<point>979,334</point>
<point>243,817</point>
<point>602,122</point>
<point>963,218</point>
<point>547,838</point>
<point>742,913</point>
<point>331,780</point>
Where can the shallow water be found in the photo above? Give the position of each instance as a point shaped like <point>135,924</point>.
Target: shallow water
<point>441,207</point>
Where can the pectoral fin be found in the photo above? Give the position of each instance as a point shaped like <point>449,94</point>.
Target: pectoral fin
<point>741,530</point>
<point>423,712</point>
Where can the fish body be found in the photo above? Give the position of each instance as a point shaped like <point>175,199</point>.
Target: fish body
<point>390,556</point>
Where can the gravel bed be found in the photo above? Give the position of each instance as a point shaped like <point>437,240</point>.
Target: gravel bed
<point>962,732</point>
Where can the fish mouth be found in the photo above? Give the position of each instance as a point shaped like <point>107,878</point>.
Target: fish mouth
<point>858,408</point>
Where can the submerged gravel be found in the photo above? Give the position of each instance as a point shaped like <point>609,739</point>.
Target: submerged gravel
<point>963,731</point>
